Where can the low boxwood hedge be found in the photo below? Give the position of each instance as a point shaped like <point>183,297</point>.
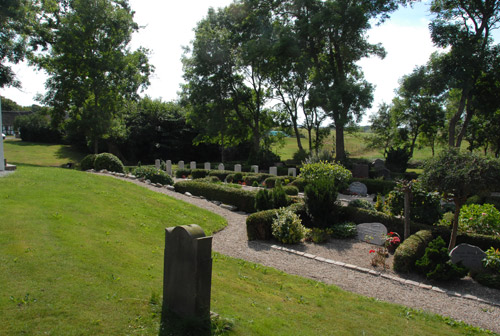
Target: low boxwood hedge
<point>244,200</point>
<point>199,173</point>
<point>259,225</point>
<point>221,174</point>
<point>410,250</point>
<point>271,181</point>
<point>182,173</point>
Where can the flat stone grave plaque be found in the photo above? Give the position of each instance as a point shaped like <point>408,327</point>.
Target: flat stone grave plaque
<point>192,165</point>
<point>207,165</point>
<point>373,233</point>
<point>273,171</point>
<point>221,166</point>
<point>471,257</point>
<point>358,188</point>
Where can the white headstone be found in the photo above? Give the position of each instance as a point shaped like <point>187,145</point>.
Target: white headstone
<point>273,170</point>
<point>373,233</point>
<point>221,166</point>
<point>358,188</point>
<point>157,164</point>
<point>192,165</point>
<point>237,168</point>
<point>471,257</point>
<point>2,160</point>
<point>207,165</point>
<point>180,165</point>
<point>168,167</point>
<point>292,171</point>
<point>255,169</point>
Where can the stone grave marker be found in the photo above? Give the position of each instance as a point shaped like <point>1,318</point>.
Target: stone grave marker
<point>292,171</point>
<point>221,166</point>
<point>360,171</point>
<point>471,257</point>
<point>378,164</point>
<point>187,276</point>
<point>237,168</point>
<point>255,169</point>
<point>157,164</point>
<point>168,167</point>
<point>207,166</point>
<point>192,165</point>
<point>373,233</point>
<point>180,165</point>
<point>358,188</point>
<point>273,171</point>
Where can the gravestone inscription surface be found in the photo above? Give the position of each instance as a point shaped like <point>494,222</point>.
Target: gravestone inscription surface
<point>469,255</point>
<point>207,166</point>
<point>373,233</point>
<point>168,167</point>
<point>360,170</point>
<point>180,165</point>
<point>358,188</point>
<point>292,172</point>
<point>157,164</point>
<point>273,171</point>
<point>237,168</point>
<point>255,169</point>
<point>187,272</point>
<point>221,166</point>
<point>192,165</point>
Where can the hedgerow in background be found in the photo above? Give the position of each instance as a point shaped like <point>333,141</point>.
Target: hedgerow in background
<point>436,263</point>
<point>109,162</point>
<point>287,227</point>
<point>482,219</point>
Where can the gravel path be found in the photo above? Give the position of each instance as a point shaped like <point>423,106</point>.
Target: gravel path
<point>232,241</point>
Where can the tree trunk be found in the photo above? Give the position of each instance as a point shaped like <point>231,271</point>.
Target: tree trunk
<point>454,120</point>
<point>454,230</point>
<point>407,192</point>
<point>339,143</point>
<point>468,116</point>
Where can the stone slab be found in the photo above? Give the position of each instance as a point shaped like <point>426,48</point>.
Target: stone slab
<point>469,255</point>
<point>273,171</point>
<point>373,233</point>
<point>358,188</point>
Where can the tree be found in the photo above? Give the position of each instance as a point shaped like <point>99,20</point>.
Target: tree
<point>384,129</point>
<point>460,175</point>
<point>91,70</point>
<point>465,28</point>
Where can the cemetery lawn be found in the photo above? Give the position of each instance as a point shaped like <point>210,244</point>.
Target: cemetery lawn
<point>39,154</point>
<point>82,254</point>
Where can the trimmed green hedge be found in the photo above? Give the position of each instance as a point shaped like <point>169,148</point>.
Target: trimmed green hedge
<point>299,183</point>
<point>271,181</point>
<point>259,225</point>
<point>291,190</point>
<point>221,174</point>
<point>411,250</point>
<point>199,173</point>
<point>244,200</point>
<point>375,186</point>
<point>182,173</point>
<point>109,162</point>
<point>88,162</point>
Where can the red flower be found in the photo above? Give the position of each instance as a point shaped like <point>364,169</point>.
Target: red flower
<point>390,233</point>
<point>372,251</point>
<point>183,176</point>
<point>243,183</point>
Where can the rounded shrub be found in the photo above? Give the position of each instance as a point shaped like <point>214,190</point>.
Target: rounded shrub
<point>482,219</point>
<point>326,171</point>
<point>154,175</point>
<point>411,250</point>
<point>287,227</point>
<point>88,162</point>
<point>109,162</point>
<point>291,190</point>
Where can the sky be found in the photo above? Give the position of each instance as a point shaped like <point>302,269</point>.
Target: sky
<point>167,26</point>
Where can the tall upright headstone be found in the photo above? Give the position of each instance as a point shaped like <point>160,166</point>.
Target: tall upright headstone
<point>192,165</point>
<point>292,171</point>
<point>187,276</point>
<point>180,165</point>
<point>207,166</point>
<point>273,170</point>
<point>221,166</point>
<point>255,169</point>
<point>157,164</point>
<point>168,167</point>
<point>237,168</point>
<point>2,158</point>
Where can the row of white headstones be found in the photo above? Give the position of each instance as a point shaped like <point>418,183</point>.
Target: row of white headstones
<point>208,166</point>
<point>2,158</point>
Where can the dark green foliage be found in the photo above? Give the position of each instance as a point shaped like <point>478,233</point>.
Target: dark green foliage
<point>36,127</point>
<point>320,197</point>
<point>363,204</point>
<point>154,175</point>
<point>291,190</point>
<point>411,250</point>
<point>436,264</point>
<point>300,156</point>
<point>376,186</point>
<point>229,178</point>
<point>264,158</point>
<point>199,173</point>
<point>278,196</point>
<point>109,162</point>
<point>221,174</point>
<point>259,225</point>
<point>244,200</point>
<point>317,235</point>
<point>271,181</point>
<point>88,162</point>
<point>396,159</point>
<point>300,183</point>
<point>488,279</point>
<point>344,230</point>
<point>182,173</point>
<point>255,184</point>
<point>263,200</point>
<point>238,178</point>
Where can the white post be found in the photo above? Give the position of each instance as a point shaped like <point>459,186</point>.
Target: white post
<point>2,159</point>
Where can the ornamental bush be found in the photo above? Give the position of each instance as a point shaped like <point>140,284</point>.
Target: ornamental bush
<point>344,230</point>
<point>182,173</point>
<point>88,162</point>
<point>109,162</point>
<point>278,196</point>
<point>361,203</point>
<point>263,200</point>
<point>320,197</point>
<point>154,175</point>
<point>287,227</point>
<point>326,171</point>
<point>482,219</point>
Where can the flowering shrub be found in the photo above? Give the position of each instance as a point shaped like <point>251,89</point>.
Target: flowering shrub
<point>325,170</point>
<point>287,227</point>
<point>492,260</point>
<point>392,240</point>
<point>483,219</point>
<point>378,257</point>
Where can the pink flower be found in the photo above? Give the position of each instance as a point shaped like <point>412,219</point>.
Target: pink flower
<point>483,214</point>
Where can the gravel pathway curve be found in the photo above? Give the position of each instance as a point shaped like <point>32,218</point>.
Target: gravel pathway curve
<point>232,241</point>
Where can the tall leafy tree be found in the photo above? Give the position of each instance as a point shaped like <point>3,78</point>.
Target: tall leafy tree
<point>92,71</point>
<point>465,28</point>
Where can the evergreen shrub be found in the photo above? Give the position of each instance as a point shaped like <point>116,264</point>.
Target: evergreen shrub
<point>154,175</point>
<point>320,197</point>
<point>287,227</point>
<point>182,173</point>
<point>88,162</point>
<point>410,250</point>
<point>109,162</point>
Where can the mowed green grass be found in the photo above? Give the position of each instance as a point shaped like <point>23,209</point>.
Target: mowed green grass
<point>39,154</point>
<point>82,254</point>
